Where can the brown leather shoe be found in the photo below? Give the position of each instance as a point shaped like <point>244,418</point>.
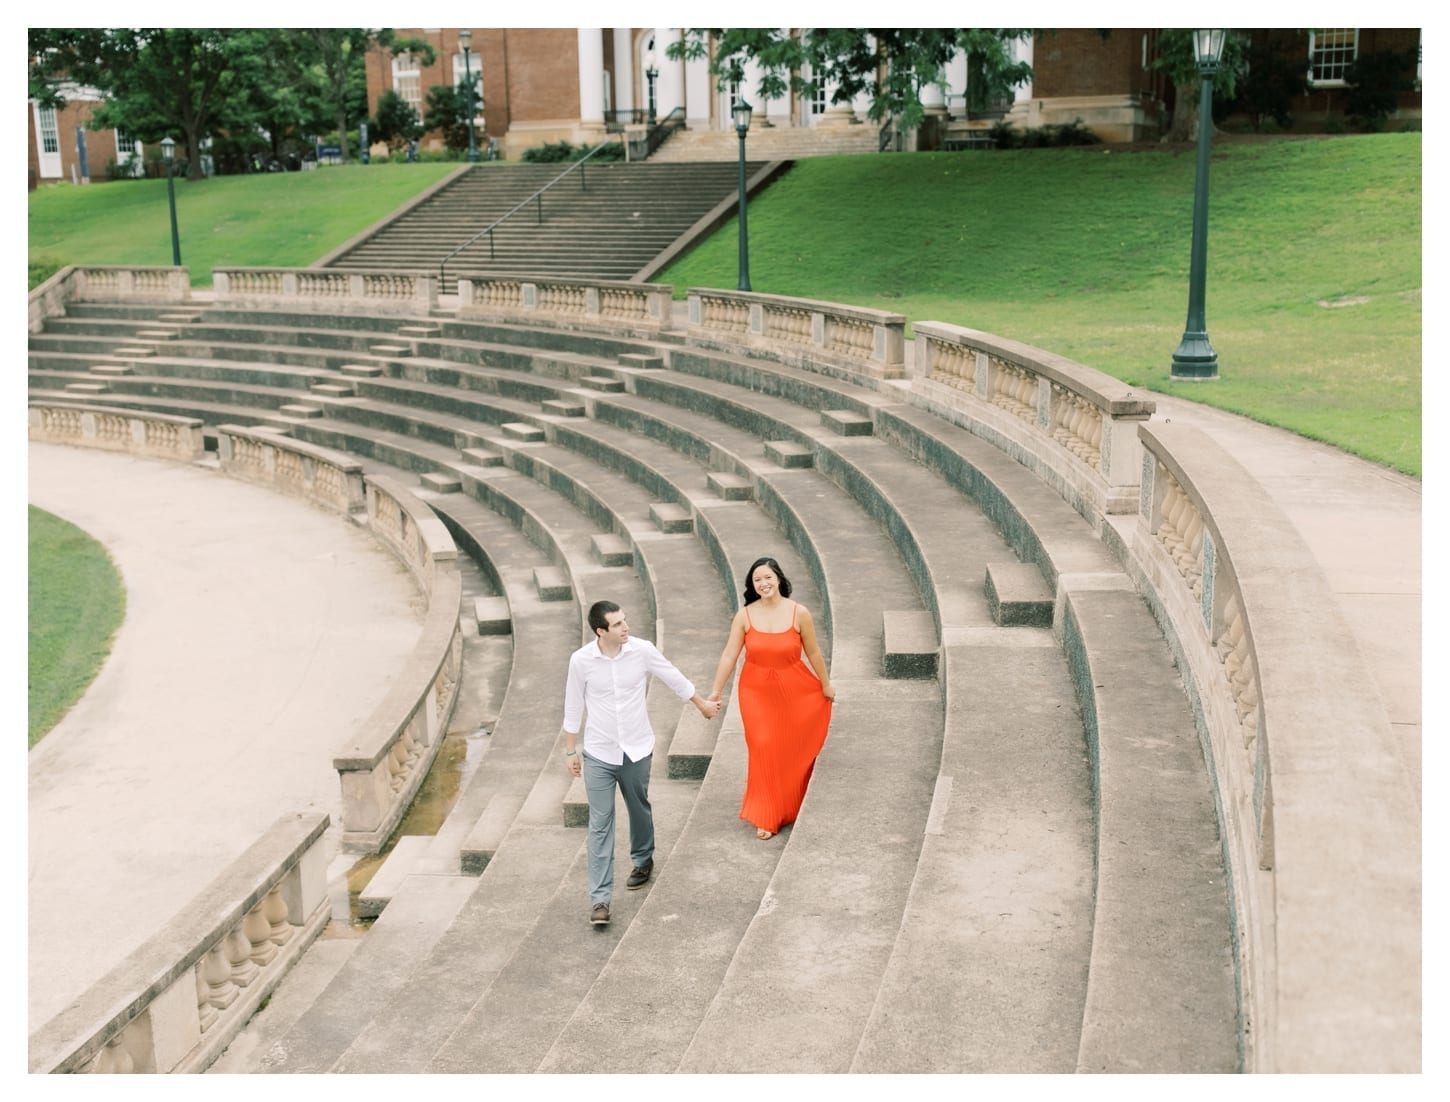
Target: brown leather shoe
<point>639,877</point>
<point>599,916</point>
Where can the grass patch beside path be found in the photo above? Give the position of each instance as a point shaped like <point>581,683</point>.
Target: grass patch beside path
<point>77,602</point>
<point>281,219</point>
<point>1314,266</point>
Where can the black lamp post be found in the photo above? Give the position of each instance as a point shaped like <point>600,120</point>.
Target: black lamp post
<point>741,114</point>
<point>465,39</point>
<point>168,154</point>
<point>1195,358</point>
<point>651,73</point>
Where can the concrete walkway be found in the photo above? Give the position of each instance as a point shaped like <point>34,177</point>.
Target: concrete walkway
<point>259,632</point>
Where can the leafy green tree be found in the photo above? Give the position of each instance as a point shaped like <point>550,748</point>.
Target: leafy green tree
<point>1274,75</point>
<point>1375,82</point>
<point>397,120</point>
<point>156,80</point>
<point>1176,60</point>
<point>446,110</point>
<point>892,65</point>
<point>337,55</point>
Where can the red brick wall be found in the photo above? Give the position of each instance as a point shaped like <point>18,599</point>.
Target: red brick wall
<point>100,145</point>
<point>1084,63</point>
<point>543,74</point>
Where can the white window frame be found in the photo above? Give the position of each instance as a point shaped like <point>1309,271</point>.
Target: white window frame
<point>1339,63</point>
<point>49,128</point>
<point>408,80</point>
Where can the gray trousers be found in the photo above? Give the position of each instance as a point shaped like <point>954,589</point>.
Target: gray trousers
<point>600,780</point>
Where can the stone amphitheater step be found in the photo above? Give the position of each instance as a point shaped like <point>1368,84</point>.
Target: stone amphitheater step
<point>1185,1034</point>
<point>1044,529</point>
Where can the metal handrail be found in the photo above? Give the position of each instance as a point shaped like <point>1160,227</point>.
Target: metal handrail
<point>675,120</point>
<point>537,198</point>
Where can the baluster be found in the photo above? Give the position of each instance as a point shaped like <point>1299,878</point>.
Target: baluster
<point>275,908</point>
<point>258,932</point>
<point>205,1012</point>
<point>221,992</point>
<point>114,1058</point>
<point>239,957</point>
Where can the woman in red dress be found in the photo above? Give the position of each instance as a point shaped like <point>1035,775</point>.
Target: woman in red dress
<point>784,706</point>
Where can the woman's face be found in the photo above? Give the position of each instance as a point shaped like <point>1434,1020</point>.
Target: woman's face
<point>765,581</point>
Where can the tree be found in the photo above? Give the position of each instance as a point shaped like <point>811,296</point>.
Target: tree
<point>396,121</point>
<point>155,80</point>
<point>447,110</point>
<point>1178,62</point>
<point>1273,76</point>
<point>338,56</point>
<point>892,65</point>
<point>1375,82</point>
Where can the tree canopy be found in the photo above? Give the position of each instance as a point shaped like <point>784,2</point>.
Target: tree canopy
<point>891,65</point>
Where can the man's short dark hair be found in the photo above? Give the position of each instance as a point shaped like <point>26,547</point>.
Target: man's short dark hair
<point>599,615</point>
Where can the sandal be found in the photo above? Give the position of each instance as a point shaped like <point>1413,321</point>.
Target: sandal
<point>763,834</point>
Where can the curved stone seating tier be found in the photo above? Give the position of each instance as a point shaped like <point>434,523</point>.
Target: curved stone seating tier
<point>1134,793</point>
<point>805,434</point>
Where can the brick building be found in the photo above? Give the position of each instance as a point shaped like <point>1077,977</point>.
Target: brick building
<point>57,136</point>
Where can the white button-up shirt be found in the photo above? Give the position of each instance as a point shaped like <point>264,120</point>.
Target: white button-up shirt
<point>612,692</point>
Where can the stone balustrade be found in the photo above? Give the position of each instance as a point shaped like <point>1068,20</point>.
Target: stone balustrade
<point>1320,816</point>
<point>76,283</point>
<point>327,289</point>
<point>385,762</point>
<point>176,1002</point>
<point>324,477</point>
<point>853,341</point>
<point>159,435</point>
<point>1074,426</point>
<point>605,305</point>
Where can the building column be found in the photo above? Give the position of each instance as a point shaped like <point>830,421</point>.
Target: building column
<point>624,70</point>
<point>933,99</point>
<point>591,80</point>
<point>956,74</point>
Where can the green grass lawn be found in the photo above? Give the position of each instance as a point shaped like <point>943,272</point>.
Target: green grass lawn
<point>1314,266</point>
<point>283,219</point>
<point>77,602</point>
<point>1314,257</point>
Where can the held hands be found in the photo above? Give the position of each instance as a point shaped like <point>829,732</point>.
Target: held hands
<point>709,706</point>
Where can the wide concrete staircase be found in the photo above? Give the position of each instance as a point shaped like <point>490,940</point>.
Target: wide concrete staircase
<point>1008,858</point>
<point>769,143</point>
<point>602,221</point>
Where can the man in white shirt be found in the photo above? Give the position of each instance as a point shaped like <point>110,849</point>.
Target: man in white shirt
<point>607,679</point>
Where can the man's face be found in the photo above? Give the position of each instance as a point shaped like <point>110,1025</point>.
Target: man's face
<point>618,629</point>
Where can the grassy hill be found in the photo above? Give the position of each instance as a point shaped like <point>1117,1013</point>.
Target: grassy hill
<point>1314,257</point>
<point>1314,265</point>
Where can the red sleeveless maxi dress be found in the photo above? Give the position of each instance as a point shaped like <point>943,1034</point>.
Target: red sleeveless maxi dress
<point>785,715</point>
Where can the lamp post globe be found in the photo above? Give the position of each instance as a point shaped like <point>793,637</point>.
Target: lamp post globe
<point>740,114</point>
<point>168,154</point>
<point>1194,357</point>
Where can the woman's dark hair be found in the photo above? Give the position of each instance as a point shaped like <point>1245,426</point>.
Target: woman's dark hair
<point>750,595</point>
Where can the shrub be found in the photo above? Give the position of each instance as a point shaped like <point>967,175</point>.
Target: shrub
<point>556,152</point>
<point>1273,79</point>
<point>1375,81</point>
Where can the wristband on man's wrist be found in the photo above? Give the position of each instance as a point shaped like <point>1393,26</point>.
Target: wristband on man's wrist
<point>568,753</point>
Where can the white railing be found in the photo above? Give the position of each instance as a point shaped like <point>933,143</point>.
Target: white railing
<point>159,435</point>
<point>604,305</point>
<point>175,1003</point>
<point>327,289</point>
<point>320,475</point>
<point>77,283</point>
<point>383,765</point>
<point>1075,426</point>
<point>1320,815</point>
<point>802,332</point>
